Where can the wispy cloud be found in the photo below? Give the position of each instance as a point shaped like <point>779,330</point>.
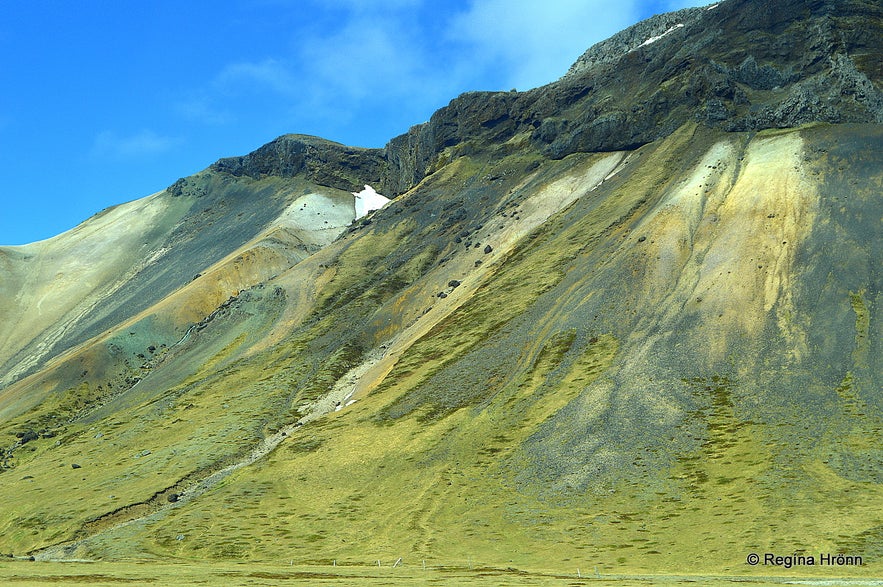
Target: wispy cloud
<point>535,43</point>
<point>400,59</point>
<point>201,107</point>
<point>110,144</point>
<point>271,74</point>
<point>364,57</point>
<point>374,57</point>
<point>217,102</point>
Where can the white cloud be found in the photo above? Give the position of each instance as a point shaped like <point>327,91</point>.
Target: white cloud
<point>269,73</point>
<point>376,58</point>
<point>347,60</point>
<point>200,108</point>
<point>220,100</point>
<point>363,57</point>
<point>534,43</point>
<point>141,144</point>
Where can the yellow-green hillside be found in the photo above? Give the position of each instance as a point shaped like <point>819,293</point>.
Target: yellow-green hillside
<point>599,390</point>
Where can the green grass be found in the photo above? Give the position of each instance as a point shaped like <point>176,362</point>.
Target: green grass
<point>407,572</point>
<point>862,328</point>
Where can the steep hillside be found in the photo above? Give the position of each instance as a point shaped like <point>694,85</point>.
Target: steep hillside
<point>586,332</point>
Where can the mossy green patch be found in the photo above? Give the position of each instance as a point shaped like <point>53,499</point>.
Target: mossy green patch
<point>862,328</point>
<point>450,480</point>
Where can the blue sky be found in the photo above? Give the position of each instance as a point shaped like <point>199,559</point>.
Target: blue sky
<point>104,102</point>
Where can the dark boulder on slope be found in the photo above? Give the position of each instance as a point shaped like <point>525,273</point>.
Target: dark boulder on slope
<point>674,358</point>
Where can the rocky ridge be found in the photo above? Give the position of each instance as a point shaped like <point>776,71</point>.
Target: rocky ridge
<point>739,65</point>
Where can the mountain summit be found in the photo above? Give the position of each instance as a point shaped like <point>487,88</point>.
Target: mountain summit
<point>628,320</point>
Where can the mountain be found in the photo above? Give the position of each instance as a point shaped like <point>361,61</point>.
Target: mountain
<point>627,320</point>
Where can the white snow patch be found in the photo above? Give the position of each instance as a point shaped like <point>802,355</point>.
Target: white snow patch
<point>368,200</point>
<point>656,38</point>
<point>713,6</point>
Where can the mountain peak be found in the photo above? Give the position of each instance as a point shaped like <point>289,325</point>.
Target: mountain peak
<point>634,37</point>
<point>739,65</point>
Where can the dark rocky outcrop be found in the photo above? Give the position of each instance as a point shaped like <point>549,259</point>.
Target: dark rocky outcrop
<point>319,160</point>
<point>612,49</point>
<point>673,343</point>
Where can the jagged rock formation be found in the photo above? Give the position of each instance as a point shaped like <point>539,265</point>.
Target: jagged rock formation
<point>632,316</point>
<point>318,160</point>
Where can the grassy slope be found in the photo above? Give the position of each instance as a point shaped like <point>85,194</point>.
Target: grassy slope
<point>550,418</point>
<point>99,414</point>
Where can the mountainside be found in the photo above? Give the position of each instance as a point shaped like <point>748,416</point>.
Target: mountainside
<point>627,320</point>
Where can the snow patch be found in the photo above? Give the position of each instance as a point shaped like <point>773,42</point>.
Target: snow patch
<point>368,200</point>
<point>713,6</point>
<point>652,40</point>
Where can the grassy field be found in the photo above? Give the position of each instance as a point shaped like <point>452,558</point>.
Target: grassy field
<point>99,574</point>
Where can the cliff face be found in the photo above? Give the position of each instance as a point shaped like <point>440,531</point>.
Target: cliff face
<point>740,65</point>
<point>624,318</point>
<point>317,160</point>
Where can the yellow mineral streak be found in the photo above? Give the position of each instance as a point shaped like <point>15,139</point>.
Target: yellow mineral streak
<point>535,210</point>
<point>721,244</point>
<point>762,221</point>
